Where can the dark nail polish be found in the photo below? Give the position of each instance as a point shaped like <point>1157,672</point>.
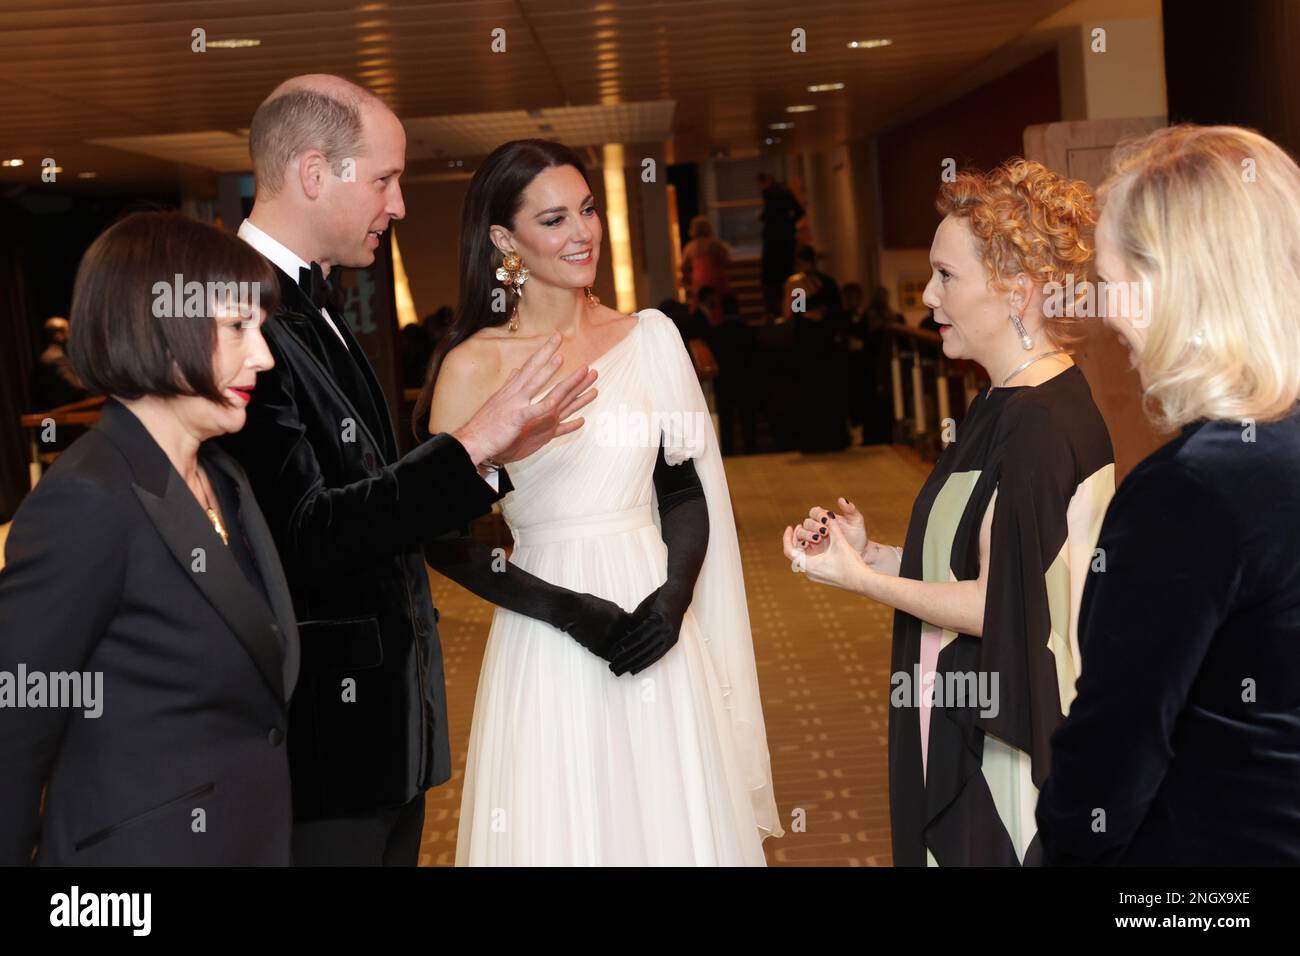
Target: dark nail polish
<point>817,537</point>
<point>823,520</point>
<point>831,513</point>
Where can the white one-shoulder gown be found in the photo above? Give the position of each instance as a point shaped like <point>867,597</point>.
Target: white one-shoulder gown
<point>568,764</point>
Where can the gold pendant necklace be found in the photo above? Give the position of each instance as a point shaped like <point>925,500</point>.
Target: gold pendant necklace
<point>217,526</point>
<point>215,518</point>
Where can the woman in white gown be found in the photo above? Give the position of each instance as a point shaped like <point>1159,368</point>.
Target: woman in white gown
<point>575,760</point>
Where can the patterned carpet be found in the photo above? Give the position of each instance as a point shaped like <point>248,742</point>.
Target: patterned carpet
<point>823,660</point>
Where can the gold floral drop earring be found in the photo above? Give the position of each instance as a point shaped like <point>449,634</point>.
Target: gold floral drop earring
<point>513,274</point>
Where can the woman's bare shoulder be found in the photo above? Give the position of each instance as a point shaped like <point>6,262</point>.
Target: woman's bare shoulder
<point>466,377</point>
<point>611,319</point>
<point>478,355</point>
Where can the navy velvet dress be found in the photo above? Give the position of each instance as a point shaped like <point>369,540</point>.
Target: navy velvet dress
<point>1183,743</point>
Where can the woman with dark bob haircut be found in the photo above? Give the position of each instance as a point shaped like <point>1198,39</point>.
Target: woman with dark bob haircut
<point>149,642</point>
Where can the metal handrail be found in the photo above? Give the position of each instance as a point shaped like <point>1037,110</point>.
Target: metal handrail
<point>922,350</point>
<point>83,412</point>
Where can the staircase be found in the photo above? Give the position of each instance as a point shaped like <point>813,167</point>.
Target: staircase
<point>744,279</point>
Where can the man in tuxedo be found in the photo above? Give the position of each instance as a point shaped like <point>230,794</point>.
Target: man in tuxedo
<point>368,725</point>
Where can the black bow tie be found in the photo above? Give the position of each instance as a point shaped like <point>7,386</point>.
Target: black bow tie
<point>323,292</point>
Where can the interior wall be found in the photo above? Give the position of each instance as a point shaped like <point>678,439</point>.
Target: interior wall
<point>429,238</point>
<point>1128,78</point>
<point>838,234</point>
<point>1241,69</point>
<point>980,129</point>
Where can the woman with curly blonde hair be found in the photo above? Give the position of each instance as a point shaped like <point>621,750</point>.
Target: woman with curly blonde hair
<point>987,586</point>
<point>1186,727</point>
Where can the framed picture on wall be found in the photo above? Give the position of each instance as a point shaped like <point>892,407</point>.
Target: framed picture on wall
<point>911,286</point>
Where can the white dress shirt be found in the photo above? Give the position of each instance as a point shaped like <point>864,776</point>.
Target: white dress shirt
<point>284,258</point>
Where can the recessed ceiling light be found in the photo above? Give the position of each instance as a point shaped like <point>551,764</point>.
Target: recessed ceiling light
<point>12,162</point>
<point>780,125</point>
<point>802,108</point>
<point>868,44</point>
<point>232,44</point>
<point>825,87</point>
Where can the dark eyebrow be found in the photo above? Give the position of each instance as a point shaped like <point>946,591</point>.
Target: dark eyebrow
<point>584,202</point>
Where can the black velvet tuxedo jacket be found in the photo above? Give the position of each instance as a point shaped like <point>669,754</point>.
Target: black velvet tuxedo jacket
<point>368,726</point>
<point>113,568</point>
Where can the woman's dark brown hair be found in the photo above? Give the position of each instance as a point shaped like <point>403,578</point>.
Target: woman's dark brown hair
<point>496,194</point>
<point>130,334</point>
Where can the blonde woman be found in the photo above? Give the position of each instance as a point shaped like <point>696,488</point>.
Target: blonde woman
<point>987,585</point>
<point>705,260</point>
<point>1184,738</point>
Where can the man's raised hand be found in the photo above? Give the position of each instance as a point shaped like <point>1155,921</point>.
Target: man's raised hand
<point>510,425</point>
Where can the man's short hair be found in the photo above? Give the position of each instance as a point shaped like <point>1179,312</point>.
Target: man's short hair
<point>291,123</point>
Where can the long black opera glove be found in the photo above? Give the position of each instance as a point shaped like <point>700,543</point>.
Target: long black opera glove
<point>684,524</point>
<point>596,624</point>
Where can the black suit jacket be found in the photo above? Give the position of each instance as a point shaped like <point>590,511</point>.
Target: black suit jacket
<point>112,567</point>
<point>368,728</point>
